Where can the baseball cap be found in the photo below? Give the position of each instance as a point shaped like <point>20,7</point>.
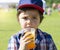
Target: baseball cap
<point>37,4</point>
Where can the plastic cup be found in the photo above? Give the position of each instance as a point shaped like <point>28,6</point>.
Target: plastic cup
<point>31,31</point>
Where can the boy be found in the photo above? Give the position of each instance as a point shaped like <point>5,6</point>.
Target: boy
<point>30,15</point>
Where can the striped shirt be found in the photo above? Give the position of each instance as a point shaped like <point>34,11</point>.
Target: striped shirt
<point>43,41</point>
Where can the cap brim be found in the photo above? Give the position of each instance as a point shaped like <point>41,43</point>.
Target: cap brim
<point>31,5</point>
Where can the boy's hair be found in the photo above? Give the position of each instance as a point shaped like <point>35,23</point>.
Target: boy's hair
<point>29,8</point>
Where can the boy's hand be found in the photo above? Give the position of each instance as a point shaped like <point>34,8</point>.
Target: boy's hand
<point>24,41</point>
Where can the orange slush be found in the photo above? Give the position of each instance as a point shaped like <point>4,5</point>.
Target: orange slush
<point>31,45</point>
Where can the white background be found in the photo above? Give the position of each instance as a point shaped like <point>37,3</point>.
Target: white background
<point>7,1</point>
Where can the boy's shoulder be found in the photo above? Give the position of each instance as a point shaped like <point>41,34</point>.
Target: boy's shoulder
<point>46,35</point>
<point>18,34</point>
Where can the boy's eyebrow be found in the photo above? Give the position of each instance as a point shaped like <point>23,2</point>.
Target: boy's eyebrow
<point>25,16</point>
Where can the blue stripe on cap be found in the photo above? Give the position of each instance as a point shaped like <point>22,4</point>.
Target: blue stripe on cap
<point>37,3</point>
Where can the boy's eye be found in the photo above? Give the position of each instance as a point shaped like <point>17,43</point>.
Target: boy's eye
<point>34,17</point>
<point>25,18</point>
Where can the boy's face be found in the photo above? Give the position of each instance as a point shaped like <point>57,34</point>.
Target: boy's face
<point>29,19</point>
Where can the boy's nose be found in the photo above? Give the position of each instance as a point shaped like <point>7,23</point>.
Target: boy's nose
<point>28,21</point>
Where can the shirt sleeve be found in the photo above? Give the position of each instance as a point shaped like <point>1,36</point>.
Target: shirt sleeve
<point>49,42</point>
<point>52,45</point>
<point>12,44</point>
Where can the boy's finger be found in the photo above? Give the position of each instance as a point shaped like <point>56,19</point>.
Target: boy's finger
<point>28,42</point>
<point>28,38</point>
<point>26,35</point>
